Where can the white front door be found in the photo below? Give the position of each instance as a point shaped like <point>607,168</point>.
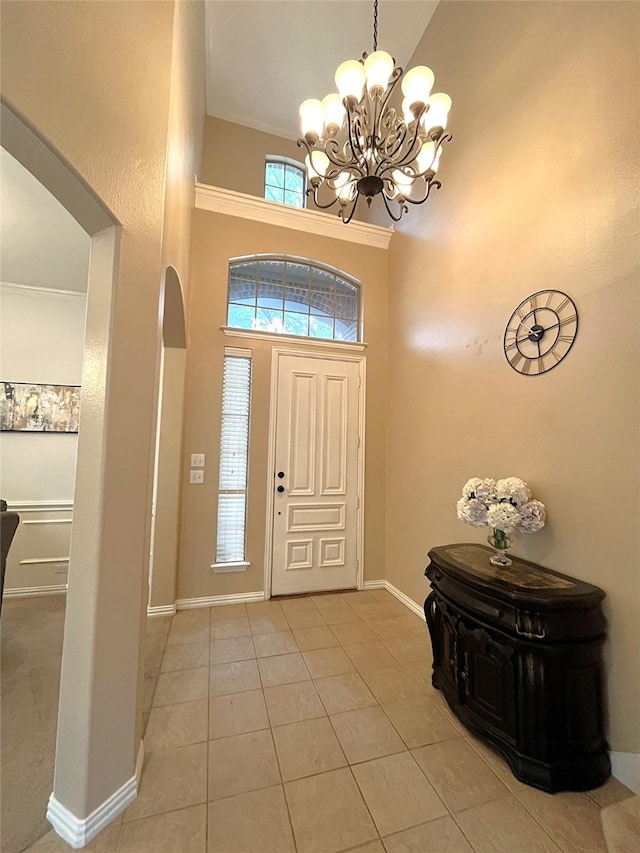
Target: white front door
<point>315,478</point>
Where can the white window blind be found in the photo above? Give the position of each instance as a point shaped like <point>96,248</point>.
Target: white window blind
<point>234,454</point>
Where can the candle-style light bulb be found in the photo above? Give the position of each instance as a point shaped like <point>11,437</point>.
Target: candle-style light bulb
<point>378,68</point>
<point>350,80</point>
<point>417,83</point>
<point>312,118</point>
<point>438,112</point>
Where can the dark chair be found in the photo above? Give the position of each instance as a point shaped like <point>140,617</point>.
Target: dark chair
<point>9,524</point>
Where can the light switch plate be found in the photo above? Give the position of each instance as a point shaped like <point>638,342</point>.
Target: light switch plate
<point>196,476</point>
<point>197,460</point>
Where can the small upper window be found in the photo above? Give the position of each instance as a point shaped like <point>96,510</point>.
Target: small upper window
<point>292,296</point>
<point>285,181</point>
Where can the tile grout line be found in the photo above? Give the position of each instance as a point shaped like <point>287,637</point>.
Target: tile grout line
<point>282,783</point>
<point>206,760</point>
<point>509,794</point>
<point>273,740</point>
<point>464,835</point>
<point>271,727</point>
<point>366,805</point>
<point>414,679</point>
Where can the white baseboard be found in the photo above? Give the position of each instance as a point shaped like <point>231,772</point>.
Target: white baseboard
<point>78,832</point>
<point>29,591</point>
<point>625,766</point>
<point>215,600</point>
<point>416,608</point>
<point>413,606</point>
<point>162,610</point>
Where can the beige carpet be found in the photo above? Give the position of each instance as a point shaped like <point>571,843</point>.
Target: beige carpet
<point>31,653</point>
<point>31,632</point>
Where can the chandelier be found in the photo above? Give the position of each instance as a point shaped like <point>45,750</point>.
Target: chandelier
<point>358,145</point>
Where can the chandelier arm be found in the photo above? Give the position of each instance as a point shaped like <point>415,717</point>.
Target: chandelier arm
<point>331,153</point>
<point>318,203</point>
<point>353,209</point>
<point>445,137</point>
<point>391,85</point>
<point>403,208</point>
<point>430,185</point>
<point>388,158</point>
<point>375,134</point>
<point>331,148</point>
<point>396,74</point>
<point>350,138</point>
<point>410,154</point>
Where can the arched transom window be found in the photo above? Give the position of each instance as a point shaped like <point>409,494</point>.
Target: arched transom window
<point>292,296</point>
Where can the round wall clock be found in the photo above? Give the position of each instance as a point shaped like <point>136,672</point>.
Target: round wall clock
<point>540,332</point>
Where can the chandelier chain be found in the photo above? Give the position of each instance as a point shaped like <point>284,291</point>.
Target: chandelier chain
<point>375,25</point>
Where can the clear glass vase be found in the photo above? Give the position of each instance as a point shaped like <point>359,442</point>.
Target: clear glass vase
<point>501,543</point>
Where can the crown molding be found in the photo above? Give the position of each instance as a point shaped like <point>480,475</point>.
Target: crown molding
<point>232,203</point>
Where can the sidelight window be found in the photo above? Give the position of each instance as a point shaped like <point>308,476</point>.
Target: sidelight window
<point>234,458</point>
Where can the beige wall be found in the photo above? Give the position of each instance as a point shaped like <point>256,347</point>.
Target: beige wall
<point>217,238</point>
<point>99,93</point>
<point>233,157</point>
<point>540,190</point>
<point>184,155</point>
<point>165,541</point>
<point>33,472</point>
<point>185,135</point>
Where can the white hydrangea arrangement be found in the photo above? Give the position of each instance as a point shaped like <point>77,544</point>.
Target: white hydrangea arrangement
<point>504,505</point>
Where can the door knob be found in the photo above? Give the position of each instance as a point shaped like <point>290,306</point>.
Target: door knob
<point>280,474</point>
<point>281,489</point>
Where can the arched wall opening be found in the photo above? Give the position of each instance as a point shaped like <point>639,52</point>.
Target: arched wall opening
<point>84,781</point>
<point>168,448</point>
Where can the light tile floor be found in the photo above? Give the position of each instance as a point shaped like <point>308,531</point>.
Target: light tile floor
<point>310,725</point>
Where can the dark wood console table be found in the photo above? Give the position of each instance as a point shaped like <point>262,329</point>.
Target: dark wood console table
<point>517,655</point>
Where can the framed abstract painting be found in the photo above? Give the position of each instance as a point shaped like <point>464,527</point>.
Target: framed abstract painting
<point>30,407</point>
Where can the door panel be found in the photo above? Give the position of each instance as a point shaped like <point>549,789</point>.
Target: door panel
<point>301,463</point>
<point>315,517</point>
<point>334,427</point>
<point>488,676</point>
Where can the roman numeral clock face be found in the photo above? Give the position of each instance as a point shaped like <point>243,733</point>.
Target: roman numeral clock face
<point>541,332</point>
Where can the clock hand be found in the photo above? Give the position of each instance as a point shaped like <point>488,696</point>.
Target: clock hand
<point>528,328</point>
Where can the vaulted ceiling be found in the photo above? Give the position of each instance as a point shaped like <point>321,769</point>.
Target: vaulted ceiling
<point>264,57</point>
